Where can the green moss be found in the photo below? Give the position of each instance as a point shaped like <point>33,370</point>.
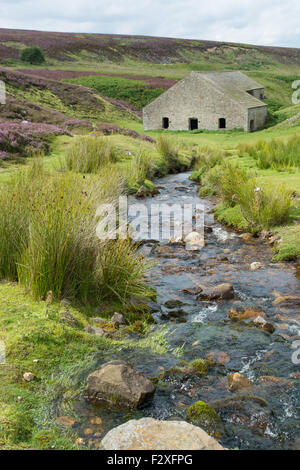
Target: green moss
<point>203,415</point>
<point>149,185</point>
<point>201,366</point>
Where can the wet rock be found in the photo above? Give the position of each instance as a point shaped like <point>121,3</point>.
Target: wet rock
<point>271,380</point>
<point>246,237</point>
<point>118,383</point>
<point>223,291</point>
<point>119,319</point>
<point>153,307</point>
<point>143,192</point>
<point>175,315</point>
<point>295,375</point>
<point>263,235</point>
<point>219,357</point>
<point>238,382</point>
<point>173,303</point>
<point>261,323</point>
<point>255,266</point>
<point>88,431</point>
<point>194,241</point>
<point>274,239</point>
<point>28,376</point>
<point>208,229</point>
<point>176,241</point>
<point>96,421</point>
<point>287,300</point>
<point>245,313</point>
<point>149,434</point>
<point>79,441</point>
<point>193,290</point>
<point>67,421</point>
<point>69,319</point>
<point>201,414</point>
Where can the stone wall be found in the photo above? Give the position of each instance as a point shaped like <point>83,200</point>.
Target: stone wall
<point>259,116</point>
<point>197,98</point>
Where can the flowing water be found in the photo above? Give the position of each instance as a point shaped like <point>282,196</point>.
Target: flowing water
<point>202,328</point>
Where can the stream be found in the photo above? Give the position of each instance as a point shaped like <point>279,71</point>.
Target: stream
<point>189,329</point>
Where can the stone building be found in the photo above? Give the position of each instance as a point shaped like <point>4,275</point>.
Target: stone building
<point>209,100</point>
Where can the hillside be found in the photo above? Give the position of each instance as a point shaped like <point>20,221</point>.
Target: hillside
<point>72,47</point>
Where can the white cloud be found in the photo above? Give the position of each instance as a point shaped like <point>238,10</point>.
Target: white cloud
<point>268,22</point>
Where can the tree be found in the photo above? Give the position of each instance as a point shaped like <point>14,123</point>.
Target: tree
<point>32,55</point>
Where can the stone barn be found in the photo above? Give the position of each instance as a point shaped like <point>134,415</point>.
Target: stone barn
<point>208,100</point>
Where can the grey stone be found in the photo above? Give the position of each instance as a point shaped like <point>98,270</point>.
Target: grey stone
<point>118,383</point>
<point>152,434</point>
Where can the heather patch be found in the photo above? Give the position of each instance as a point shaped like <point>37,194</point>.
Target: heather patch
<point>24,138</point>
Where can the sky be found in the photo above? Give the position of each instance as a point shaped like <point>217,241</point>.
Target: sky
<point>265,22</point>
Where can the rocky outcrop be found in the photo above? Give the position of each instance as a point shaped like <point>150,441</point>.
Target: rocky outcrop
<point>116,382</point>
<point>151,434</point>
<point>223,291</point>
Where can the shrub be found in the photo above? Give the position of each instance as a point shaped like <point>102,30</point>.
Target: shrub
<point>33,55</point>
<point>88,154</point>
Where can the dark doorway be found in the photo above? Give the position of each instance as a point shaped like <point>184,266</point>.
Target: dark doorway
<point>165,123</point>
<point>222,123</point>
<point>193,124</point>
<point>251,125</point>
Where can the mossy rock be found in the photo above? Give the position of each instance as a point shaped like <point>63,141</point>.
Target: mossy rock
<point>202,415</point>
<point>201,366</point>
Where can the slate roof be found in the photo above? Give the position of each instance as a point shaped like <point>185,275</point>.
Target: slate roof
<point>234,84</point>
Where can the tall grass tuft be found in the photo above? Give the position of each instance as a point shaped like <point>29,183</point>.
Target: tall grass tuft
<point>48,238</point>
<point>261,206</point>
<point>276,154</point>
<point>169,151</point>
<point>120,271</point>
<point>139,169</point>
<point>88,154</point>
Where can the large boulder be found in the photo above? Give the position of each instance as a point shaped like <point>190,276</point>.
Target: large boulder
<point>118,383</point>
<point>151,434</point>
<point>223,291</point>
